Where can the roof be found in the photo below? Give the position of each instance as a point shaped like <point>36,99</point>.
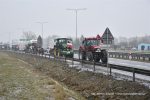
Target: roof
<point>146,44</point>
<point>94,38</point>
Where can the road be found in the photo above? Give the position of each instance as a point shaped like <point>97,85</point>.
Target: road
<point>129,63</point>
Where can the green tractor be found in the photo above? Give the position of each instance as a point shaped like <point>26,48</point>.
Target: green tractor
<point>63,47</point>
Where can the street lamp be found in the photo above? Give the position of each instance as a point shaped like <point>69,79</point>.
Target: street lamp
<point>42,23</point>
<point>76,12</point>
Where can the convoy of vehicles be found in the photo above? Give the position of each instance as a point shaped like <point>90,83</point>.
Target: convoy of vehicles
<point>92,49</point>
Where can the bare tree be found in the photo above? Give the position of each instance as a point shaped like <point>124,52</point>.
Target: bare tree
<point>29,35</point>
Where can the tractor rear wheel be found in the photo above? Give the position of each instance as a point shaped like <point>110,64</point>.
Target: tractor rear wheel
<point>104,57</point>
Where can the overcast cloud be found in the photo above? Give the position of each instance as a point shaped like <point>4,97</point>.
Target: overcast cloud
<point>124,17</point>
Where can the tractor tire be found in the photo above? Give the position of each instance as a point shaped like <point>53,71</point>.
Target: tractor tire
<point>104,57</point>
<point>96,58</point>
<point>90,56</point>
<point>83,55</point>
<point>71,56</point>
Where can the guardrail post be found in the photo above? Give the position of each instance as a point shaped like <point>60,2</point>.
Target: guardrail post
<point>49,56</point>
<point>72,62</point>
<point>60,59</point>
<point>82,62</point>
<point>110,70</point>
<point>133,75</point>
<point>94,66</point>
<point>79,55</point>
<point>143,58</point>
<point>54,58</point>
<point>139,58</point>
<point>65,58</point>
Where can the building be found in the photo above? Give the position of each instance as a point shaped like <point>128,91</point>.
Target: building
<point>144,46</point>
<point>108,37</point>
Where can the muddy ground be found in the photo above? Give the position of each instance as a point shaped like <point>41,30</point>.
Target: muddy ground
<point>90,85</point>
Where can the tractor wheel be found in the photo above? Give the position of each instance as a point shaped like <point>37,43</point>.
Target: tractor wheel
<point>104,57</point>
<point>96,58</point>
<point>90,56</point>
<point>83,55</point>
<point>71,55</point>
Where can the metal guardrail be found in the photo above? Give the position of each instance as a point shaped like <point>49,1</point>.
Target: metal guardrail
<point>110,66</point>
<point>132,56</point>
<point>125,55</point>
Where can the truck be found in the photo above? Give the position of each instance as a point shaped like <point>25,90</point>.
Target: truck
<point>92,49</point>
<point>63,47</point>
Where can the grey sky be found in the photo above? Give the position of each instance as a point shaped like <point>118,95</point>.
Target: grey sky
<point>123,17</point>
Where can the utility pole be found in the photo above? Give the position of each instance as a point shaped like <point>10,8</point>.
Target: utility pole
<point>107,50</point>
<point>76,12</point>
<point>42,24</point>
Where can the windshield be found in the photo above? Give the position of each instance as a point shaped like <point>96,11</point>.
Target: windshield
<point>92,42</point>
<point>63,41</point>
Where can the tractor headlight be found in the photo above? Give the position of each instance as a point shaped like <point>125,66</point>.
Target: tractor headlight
<point>98,50</point>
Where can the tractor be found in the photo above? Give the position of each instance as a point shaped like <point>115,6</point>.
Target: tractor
<point>63,47</point>
<point>92,49</point>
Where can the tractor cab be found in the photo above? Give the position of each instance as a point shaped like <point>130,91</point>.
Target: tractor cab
<point>91,43</point>
<point>63,43</point>
<point>92,49</point>
<point>63,47</point>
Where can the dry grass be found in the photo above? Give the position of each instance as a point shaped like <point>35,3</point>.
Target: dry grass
<point>84,82</point>
<point>19,81</point>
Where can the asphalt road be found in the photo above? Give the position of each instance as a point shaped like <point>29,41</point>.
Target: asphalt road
<point>129,63</point>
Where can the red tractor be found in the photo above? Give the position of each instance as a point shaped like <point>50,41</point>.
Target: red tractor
<point>93,49</point>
